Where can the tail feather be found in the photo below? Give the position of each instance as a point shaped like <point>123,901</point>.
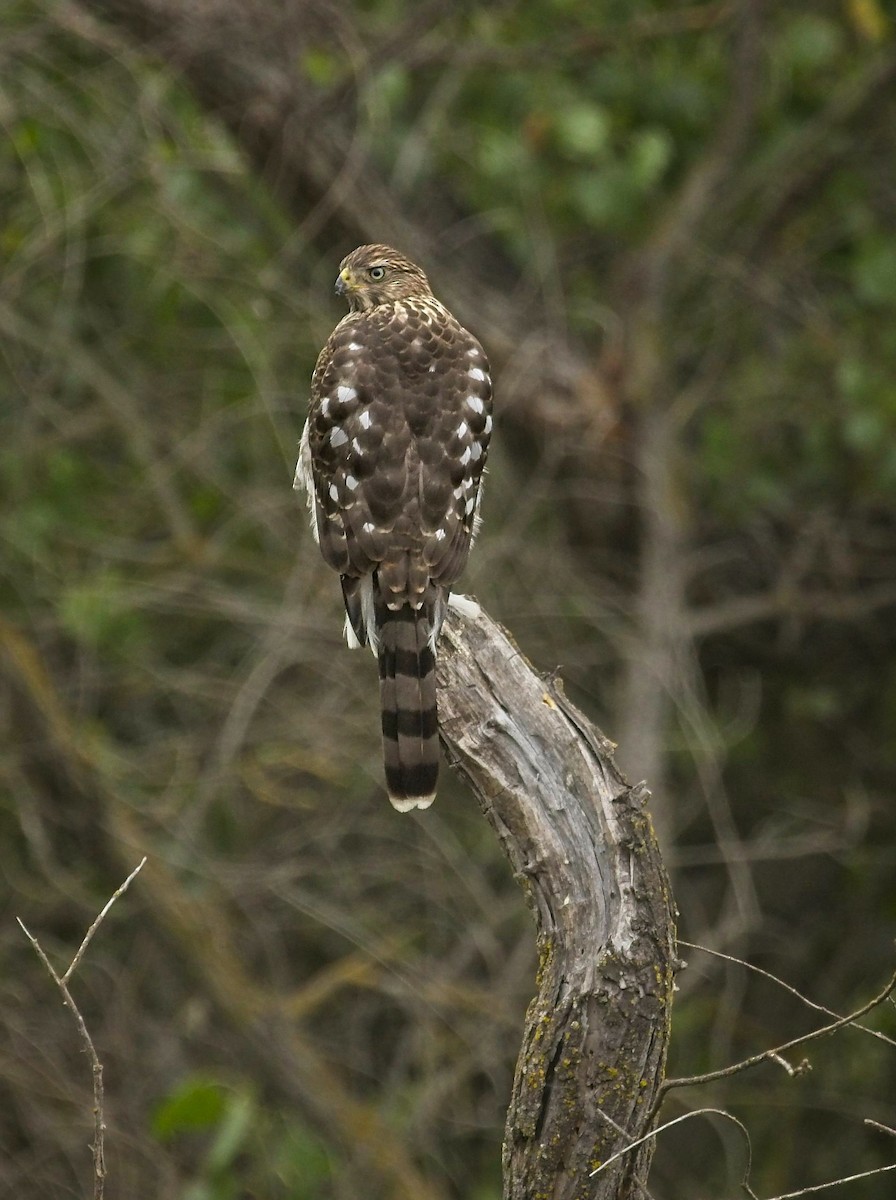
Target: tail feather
<point>408,700</point>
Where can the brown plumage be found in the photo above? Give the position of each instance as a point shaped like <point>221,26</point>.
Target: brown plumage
<point>392,458</point>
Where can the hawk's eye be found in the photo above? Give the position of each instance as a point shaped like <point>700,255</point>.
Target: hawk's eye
<point>377,272</point>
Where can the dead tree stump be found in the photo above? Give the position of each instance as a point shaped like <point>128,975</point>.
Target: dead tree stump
<point>583,850</point>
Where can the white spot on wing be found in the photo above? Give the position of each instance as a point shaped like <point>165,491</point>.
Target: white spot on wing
<point>354,346</point>
<point>477,373</point>
<point>475,403</point>
<point>476,449</point>
<point>325,406</point>
<point>356,446</point>
<point>365,419</point>
<point>458,492</point>
<point>334,492</point>
<point>462,430</point>
<point>465,457</point>
<point>440,535</point>
<point>345,394</point>
<point>351,483</point>
<point>338,437</point>
<point>368,527</point>
<point>488,426</point>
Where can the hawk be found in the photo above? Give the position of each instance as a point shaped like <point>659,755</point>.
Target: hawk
<point>391,458</point>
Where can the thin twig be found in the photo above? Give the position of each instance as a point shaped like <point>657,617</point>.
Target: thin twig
<point>781,983</point>
<point>99,920</point>
<point>645,1194</point>
<point>793,1071</point>
<point>882,1128</point>
<point>99,1125</point>
<point>745,1182</point>
<point>765,1055</point>
<point>698,1112</point>
<point>821,1187</point>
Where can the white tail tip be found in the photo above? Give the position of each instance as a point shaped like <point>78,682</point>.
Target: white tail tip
<point>407,803</point>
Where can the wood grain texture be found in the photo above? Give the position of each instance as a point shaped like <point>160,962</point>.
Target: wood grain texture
<point>582,848</point>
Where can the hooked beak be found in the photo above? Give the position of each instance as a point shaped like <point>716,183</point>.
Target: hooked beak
<point>343,281</point>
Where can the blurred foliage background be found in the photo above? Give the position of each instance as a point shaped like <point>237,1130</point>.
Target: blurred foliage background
<point>674,228</point>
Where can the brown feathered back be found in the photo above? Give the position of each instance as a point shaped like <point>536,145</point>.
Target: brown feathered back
<point>393,453</point>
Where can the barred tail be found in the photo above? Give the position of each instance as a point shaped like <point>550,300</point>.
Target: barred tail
<point>408,701</point>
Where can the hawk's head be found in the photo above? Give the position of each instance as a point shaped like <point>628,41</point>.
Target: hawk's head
<point>373,275</point>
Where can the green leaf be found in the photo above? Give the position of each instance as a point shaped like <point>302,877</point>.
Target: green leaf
<point>302,1162</point>
<point>238,1116</point>
<point>197,1104</point>
<point>583,130</point>
<point>651,153</point>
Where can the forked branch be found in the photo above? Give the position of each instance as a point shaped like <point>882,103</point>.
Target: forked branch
<point>776,1052</point>
<point>61,981</point>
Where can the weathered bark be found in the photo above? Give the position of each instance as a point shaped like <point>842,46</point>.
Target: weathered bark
<point>583,850</point>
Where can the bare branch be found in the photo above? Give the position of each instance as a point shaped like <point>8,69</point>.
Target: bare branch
<point>699,1112</point>
<point>73,965</point>
<point>766,1055</point>
<point>882,1128</point>
<point>787,987</point>
<point>745,1182</point>
<point>99,1123</point>
<point>822,1187</point>
<point>801,1068</point>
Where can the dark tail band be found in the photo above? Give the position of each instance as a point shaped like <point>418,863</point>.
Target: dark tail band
<point>408,701</point>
